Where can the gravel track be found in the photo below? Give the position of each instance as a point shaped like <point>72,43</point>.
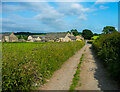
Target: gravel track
<point>93,76</point>
<point>62,78</point>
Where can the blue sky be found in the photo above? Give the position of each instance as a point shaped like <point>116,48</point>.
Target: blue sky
<point>58,16</point>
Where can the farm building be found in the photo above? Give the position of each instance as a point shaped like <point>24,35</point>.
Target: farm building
<point>7,37</point>
<point>34,38</point>
<point>79,38</point>
<point>54,37</point>
<point>21,40</point>
<point>60,37</point>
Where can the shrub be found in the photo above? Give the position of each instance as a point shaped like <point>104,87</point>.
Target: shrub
<point>108,49</point>
<point>28,65</point>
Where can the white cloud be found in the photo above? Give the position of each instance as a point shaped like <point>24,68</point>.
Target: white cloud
<point>41,6</point>
<point>103,7</point>
<point>73,9</point>
<point>51,18</point>
<point>79,7</point>
<point>83,17</point>
<point>104,1</point>
<point>47,17</point>
<point>116,28</point>
<point>49,1</point>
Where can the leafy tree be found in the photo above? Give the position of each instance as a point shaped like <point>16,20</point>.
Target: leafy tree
<point>22,37</point>
<point>95,34</point>
<point>19,36</point>
<point>68,31</point>
<point>108,29</point>
<point>87,34</point>
<point>25,37</point>
<point>75,32</point>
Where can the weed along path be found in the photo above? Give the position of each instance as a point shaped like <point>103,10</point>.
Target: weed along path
<point>93,76</point>
<point>62,78</point>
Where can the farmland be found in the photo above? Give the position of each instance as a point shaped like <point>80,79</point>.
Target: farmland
<point>29,65</point>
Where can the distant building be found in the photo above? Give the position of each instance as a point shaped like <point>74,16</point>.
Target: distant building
<point>7,37</point>
<point>34,38</point>
<point>73,38</point>
<point>54,37</point>
<point>21,40</point>
<point>60,37</point>
<point>79,38</point>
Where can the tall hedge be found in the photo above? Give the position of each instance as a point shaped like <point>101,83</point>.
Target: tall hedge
<point>108,49</point>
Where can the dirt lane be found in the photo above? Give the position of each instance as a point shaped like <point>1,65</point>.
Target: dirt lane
<point>62,78</point>
<point>93,76</point>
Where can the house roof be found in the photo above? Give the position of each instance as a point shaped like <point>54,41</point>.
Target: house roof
<point>34,36</point>
<point>56,35</point>
<point>79,37</point>
<point>72,37</point>
<point>3,34</point>
<point>21,39</point>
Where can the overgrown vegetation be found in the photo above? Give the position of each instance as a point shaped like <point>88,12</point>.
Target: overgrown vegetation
<point>28,65</point>
<point>76,75</point>
<point>108,49</point>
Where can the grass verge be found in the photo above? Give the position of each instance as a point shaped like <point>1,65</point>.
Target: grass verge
<point>76,75</point>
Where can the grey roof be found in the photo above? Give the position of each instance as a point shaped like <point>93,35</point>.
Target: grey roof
<point>56,35</point>
<point>35,36</point>
<point>72,37</point>
<point>3,34</point>
<point>21,39</point>
<point>0,37</point>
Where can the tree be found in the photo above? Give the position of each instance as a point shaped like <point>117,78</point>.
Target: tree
<point>95,34</point>
<point>108,29</point>
<point>75,32</point>
<point>68,31</point>
<point>87,34</point>
<point>22,37</point>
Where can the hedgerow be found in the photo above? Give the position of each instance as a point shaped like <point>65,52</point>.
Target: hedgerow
<point>108,49</point>
<point>27,66</point>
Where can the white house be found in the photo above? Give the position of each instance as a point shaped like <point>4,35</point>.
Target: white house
<point>34,38</point>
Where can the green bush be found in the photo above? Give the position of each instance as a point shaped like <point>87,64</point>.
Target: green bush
<point>108,49</point>
<point>28,65</point>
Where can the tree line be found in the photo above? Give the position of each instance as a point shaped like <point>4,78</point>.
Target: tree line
<point>87,34</point>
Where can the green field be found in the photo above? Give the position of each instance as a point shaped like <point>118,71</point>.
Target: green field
<point>94,37</point>
<point>27,66</point>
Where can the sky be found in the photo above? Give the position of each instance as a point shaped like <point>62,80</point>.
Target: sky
<point>58,16</point>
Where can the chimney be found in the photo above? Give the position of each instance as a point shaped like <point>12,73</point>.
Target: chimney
<point>71,34</point>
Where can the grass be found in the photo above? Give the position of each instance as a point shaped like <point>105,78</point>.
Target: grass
<point>95,37</point>
<point>76,76</point>
<point>27,66</point>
